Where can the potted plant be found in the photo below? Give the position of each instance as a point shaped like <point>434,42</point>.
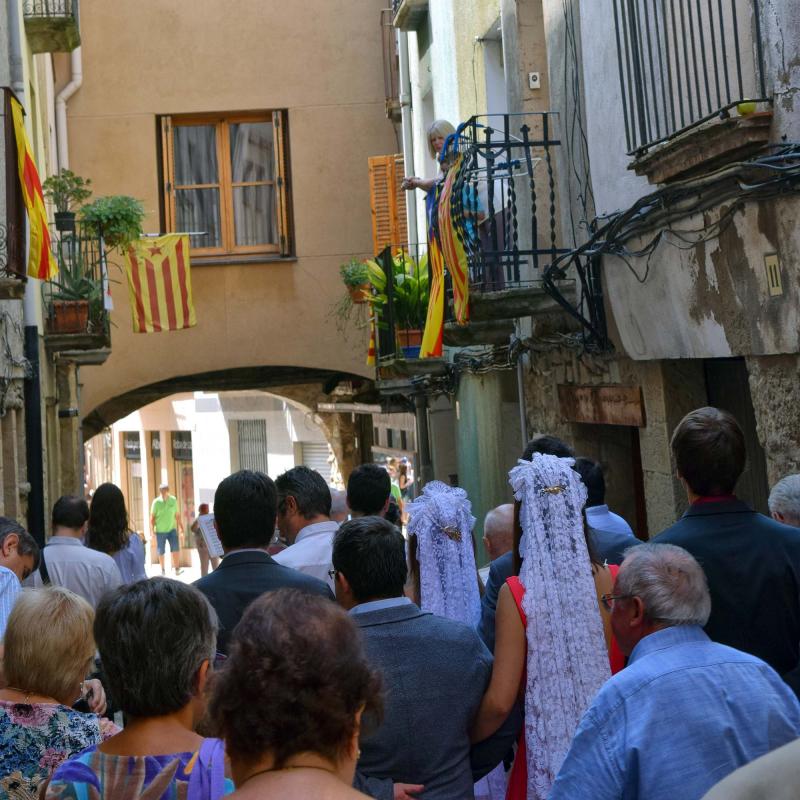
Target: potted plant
<point>73,293</point>
<point>66,191</point>
<point>117,219</point>
<point>355,276</point>
<point>410,294</point>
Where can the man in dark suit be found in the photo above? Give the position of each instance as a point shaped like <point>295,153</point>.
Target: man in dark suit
<point>435,672</point>
<point>752,562</point>
<point>501,569</point>
<point>245,505</point>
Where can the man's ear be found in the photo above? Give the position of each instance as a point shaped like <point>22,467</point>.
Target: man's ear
<point>776,515</point>
<point>290,504</point>
<point>201,678</point>
<point>386,505</point>
<point>11,542</point>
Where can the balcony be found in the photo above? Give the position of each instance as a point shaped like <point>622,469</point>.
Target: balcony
<point>51,26</point>
<point>682,65</point>
<point>409,15</point>
<point>77,325</point>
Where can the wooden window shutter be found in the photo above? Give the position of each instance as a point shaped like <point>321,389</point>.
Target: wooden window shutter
<point>281,182</point>
<point>168,173</point>
<point>388,201</point>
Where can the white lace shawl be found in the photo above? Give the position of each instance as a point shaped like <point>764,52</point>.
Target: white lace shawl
<point>440,518</point>
<point>567,655</point>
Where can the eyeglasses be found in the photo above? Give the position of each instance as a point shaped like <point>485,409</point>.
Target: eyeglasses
<point>608,599</point>
<point>332,573</point>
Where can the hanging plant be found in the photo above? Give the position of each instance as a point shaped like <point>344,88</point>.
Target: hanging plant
<point>117,219</point>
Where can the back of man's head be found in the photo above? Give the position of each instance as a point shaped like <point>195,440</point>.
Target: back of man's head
<point>592,476</point>
<point>26,544</point>
<point>70,512</point>
<point>308,487</point>
<point>371,554</point>
<point>245,505</point>
<point>709,451</point>
<point>339,510</point>
<point>498,530</point>
<point>784,500</point>
<point>670,583</point>
<point>368,489</point>
<point>547,445</point>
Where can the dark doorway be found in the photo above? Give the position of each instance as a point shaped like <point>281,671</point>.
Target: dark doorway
<point>727,387</point>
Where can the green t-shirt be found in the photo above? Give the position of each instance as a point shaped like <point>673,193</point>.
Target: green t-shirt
<point>396,493</point>
<point>165,513</point>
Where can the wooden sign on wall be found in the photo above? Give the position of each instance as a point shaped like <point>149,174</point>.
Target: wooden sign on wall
<point>602,405</point>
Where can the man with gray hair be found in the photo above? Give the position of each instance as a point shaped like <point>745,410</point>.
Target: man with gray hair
<point>686,711</point>
<point>784,501</point>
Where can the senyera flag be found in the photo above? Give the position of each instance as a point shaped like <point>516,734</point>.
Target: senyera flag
<point>160,284</point>
<point>41,263</point>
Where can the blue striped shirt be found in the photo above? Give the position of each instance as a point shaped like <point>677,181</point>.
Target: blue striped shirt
<point>10,588</point>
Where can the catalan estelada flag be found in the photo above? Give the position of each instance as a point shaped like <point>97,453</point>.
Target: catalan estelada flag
<point>160,284</point>
<point>41,263</point>
<point>455,257</point>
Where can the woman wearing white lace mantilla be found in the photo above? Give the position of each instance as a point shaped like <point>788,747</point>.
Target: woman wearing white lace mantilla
<point>553,640</point>
<point>444,574</point>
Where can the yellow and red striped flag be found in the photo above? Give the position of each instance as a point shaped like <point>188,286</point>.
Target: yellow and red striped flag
<point>41,263</point>
<point>455,257</point>
<point>160,284</point>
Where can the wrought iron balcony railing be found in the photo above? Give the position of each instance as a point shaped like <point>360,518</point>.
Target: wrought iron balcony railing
<point>75,298</point>
<point>51,26</point>
<point>502,201</point>
<point>683,62</point>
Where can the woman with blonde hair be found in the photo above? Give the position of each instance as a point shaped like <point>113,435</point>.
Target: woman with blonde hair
<point>49,649</point>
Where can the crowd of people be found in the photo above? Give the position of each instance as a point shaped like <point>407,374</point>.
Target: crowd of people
<point>367,661</point>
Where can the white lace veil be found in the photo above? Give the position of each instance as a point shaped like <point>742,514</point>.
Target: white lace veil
<point>440,518</point>
<point>567,656</point>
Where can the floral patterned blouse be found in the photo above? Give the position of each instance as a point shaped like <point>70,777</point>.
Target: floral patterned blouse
<point>34,739</point>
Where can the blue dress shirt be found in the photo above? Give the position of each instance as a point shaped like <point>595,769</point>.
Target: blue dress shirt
<point>10,588</point>
<point>681,716</point>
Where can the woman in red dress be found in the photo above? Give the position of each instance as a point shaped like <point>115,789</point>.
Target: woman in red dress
<point>554,646</point>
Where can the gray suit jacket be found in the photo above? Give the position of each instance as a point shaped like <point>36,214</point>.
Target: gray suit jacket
<point>435,672</point>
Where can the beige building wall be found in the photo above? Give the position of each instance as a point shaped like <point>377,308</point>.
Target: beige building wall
<point>324,66</point>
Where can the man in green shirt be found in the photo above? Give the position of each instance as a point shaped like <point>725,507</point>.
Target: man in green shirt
<point>165,521</point>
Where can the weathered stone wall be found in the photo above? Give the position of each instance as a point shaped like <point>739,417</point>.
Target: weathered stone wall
<point>774,383</point>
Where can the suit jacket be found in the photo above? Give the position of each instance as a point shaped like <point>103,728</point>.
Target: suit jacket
<point>435,672</point>
<point>243,576</point>
<point>752,564</point>
<point>500,570</point>
<point>610,546</point>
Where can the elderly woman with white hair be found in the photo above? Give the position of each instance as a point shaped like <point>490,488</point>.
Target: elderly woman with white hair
<point>784,501</point>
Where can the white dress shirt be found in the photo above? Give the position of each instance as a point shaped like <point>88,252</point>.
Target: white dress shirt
<point>312,551</point>
<point>10,588</point>
<point>80,569</point>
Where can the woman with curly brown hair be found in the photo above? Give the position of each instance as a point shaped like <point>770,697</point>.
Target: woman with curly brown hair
<point>109,533</point>
<point>290,697</point>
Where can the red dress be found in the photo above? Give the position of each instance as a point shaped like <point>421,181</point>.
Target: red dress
<point>518,781</point>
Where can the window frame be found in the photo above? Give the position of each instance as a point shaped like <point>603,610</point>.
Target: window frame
<point>225,183</point>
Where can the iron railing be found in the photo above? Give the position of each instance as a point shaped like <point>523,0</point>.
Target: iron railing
<point>683,62</point>
<point>400,318</point>
<point>503,198</point>
<point>82,275</point>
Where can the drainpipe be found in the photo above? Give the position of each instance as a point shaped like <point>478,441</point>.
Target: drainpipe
<point>30,305</point>
<point>63,96</point>
<point>408,133</point>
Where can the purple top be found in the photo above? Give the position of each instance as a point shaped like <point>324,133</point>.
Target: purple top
<point>130,560</point>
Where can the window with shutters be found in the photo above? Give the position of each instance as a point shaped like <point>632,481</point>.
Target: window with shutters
<point>225,182</point>
<point>389,226</point>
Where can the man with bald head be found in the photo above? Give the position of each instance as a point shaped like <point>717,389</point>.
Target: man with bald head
<point>498,534</point>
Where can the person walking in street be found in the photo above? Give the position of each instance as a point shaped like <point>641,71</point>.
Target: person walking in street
<point>165,522</point>
<point>19,557</point>
<point>65,561</point>
<point>752,562</point>
<point>200,544</point>
<point>304,520</point>
<point>686,711</point>
<point>109,532</point>
<point>244,516</point>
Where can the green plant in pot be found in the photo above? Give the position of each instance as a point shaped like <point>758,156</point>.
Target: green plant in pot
<point>355,276</point>
<point>74,294</point>
<point>66,191</point>
<point>410,295</point>
<point>117,219</point>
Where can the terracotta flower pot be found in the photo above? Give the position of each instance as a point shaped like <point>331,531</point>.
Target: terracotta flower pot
<point>360,294</point>
<point>69,316</point>
<point>409,337</point>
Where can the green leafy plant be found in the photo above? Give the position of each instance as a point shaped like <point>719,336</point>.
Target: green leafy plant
<point>410,289</point>
<point>67,191</point>
<point>354,273</point>
<point>118,219</point>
